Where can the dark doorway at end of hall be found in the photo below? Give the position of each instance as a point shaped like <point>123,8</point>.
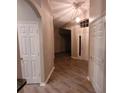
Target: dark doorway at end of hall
<point>66,35</point>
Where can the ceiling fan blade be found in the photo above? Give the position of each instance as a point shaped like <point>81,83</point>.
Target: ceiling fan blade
<point>80,3</point>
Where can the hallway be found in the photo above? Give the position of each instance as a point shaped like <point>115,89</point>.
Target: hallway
<point>39,38</point>
<point>69,76</point>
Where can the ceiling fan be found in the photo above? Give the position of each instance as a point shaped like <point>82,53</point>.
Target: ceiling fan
<point>78,4</point>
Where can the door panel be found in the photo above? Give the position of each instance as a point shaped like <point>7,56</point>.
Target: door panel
<point>35,74</point>
<point>29,50</point>
<point>26,70</point>
<point>97,54</point>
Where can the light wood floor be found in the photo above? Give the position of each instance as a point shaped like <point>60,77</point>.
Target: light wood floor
<point>69,76</point>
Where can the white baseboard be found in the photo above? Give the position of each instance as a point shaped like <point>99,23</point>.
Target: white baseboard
<point>88,78</point>
<point>50,74</point>
<point>74,57</point>
<point>44,83</point>
<point>79,58</point>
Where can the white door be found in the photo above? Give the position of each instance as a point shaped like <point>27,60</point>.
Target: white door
<point>28,34</point>
<point>97,54</point>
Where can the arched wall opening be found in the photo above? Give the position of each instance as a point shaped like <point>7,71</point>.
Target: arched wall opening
<point>26,12</point>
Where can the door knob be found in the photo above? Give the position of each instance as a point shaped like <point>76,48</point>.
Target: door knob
<point>21,58</point>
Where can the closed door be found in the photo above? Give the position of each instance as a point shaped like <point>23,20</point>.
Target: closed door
<point>97,54</point>
<point>28,34</point>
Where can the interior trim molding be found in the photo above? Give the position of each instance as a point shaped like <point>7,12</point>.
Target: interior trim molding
<point>76,57</point>
<point>44,83</point>
<point>88,78</point>
<point>79,58</point>
<point>96,87</point>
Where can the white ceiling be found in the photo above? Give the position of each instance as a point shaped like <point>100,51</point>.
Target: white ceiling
<point>64,11</point>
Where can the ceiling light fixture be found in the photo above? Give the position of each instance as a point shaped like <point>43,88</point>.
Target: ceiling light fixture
<point>77,19</point>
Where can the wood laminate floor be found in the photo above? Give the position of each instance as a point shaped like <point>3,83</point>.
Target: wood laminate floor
<point>69,76</point>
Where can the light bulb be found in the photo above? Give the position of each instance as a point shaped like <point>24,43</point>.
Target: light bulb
<point>77,19</point>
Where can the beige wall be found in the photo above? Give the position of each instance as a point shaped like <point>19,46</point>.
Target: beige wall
<point>25,12</point>
<point>59,41</point>
<point>97,8</point>
<point>48,38</point>
<point>84,32</point>
<point>97,63</point>
<point>74,42</point>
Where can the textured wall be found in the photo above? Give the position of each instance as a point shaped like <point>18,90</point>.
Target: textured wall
<point>25,12</point>
<point>48,38</point>
<point>97,8</point>
<point>74,42</point>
